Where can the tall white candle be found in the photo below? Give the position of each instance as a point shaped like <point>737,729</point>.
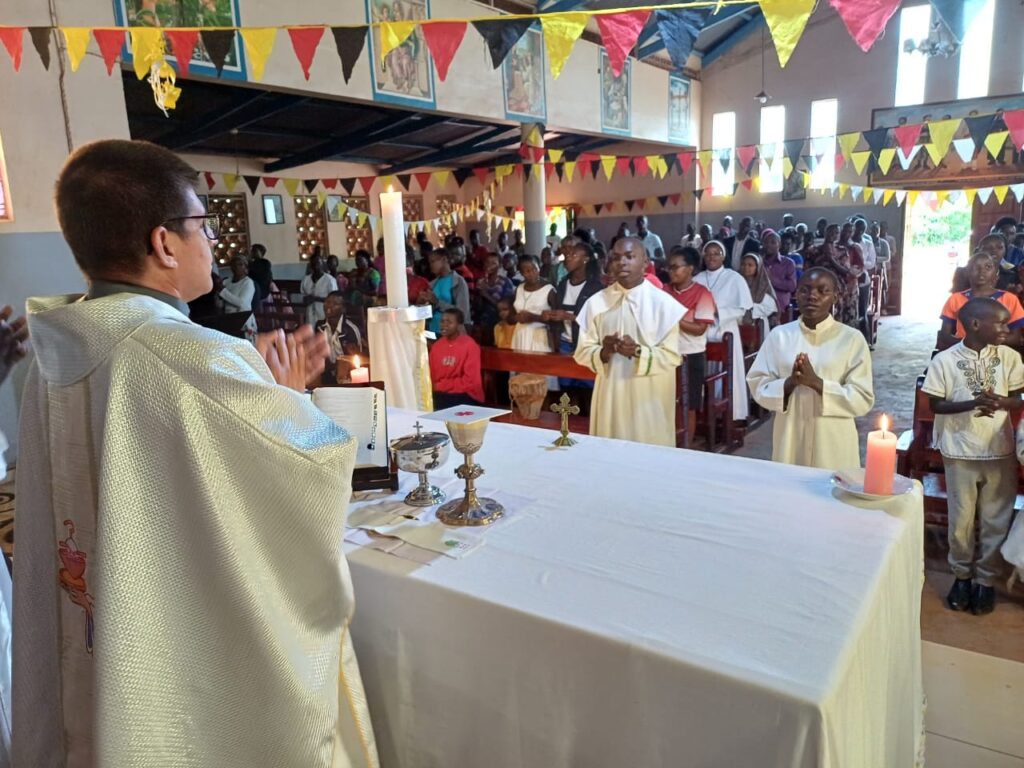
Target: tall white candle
<point>394,248</point>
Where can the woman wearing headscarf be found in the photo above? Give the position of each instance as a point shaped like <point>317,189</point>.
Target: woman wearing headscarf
<point>766,306</point>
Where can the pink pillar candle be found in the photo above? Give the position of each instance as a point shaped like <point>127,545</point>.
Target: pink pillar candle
<point>880,467</point>
<point>359,374</point>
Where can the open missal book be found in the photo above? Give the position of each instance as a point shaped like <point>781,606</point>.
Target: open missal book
<point>362,412</point>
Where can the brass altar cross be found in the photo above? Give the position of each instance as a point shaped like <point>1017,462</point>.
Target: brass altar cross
<point>564,409</point>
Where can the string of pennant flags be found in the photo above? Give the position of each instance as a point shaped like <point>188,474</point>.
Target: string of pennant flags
<point>678,25</point>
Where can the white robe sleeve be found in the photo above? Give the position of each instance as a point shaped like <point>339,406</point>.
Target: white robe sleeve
<point>768,374</point>
<point>765,308</point>
<point>662,358</point>
<point>853,394</point>
<point>239,295</point>
<point>588,350</point>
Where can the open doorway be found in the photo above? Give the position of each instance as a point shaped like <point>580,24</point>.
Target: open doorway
<point>938,239</point>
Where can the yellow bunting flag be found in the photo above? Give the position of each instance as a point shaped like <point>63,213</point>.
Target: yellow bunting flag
<point>230,181</point>
<point>806,178</point>
<point>441,177</point>
<point>608,163</point>
<point>259,42</point>
<point>393,34</point>
<point>555,155</point>
<point>847,141</point>
<point>887,196</point>
<point>912,197</point>
<point>994,143</point>
<point>361,219</point>
<point>843,189</point>
<point>292,185</point>
<point>787,167</point>
<point>860,160</point>
<point>388,182</point>
<point>533,136</point>
<point>502,171</point>
<point>321,198</point>
<point>77,41</point>
<point>704,159</point>
<point>147,48</point>
<point>934,153</point>
<point>867,193</point>
<point>970,194</point>
<point>942,132</point>
<point>561,31</point>
<point>885,158</point>
<point>786,21</point>
<point>940,197</point>
<point>1001,193</point>
<point>570,169</point>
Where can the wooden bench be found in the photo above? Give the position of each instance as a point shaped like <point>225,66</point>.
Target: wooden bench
<point>752,337</point>
<point>495,361</point>
<point>718,398</point>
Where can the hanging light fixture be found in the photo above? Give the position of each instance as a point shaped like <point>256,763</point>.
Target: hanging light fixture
<point>762,96</point>
<point>938,43</point>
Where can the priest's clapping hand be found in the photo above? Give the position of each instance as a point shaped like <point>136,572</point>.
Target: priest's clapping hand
<point>296,360</point>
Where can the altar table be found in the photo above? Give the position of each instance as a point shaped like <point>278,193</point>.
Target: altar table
<point>649,607</point>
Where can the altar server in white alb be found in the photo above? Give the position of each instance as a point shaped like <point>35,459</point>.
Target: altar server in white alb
<point>629,337</point>
<point>815,375</point>
<point>180,595</point>
<point>733,299</point>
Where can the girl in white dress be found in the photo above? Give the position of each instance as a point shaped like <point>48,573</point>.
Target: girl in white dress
<point>532,334</point>
<point>732,296</point>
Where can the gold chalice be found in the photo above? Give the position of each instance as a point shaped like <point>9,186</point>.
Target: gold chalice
<point>467,438</point>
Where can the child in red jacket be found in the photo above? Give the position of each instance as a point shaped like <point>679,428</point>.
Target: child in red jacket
<point>455,364</point>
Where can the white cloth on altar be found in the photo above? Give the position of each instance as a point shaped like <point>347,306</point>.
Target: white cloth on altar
<point>815,430</point>
<point>733,299</point>
<point>180,595</point>
<point>634,398</point>
<point>648,606</point>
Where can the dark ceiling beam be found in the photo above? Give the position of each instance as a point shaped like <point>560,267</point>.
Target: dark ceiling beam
<point>472,146</point>
<point>412,145</point>
<point>255,106</point>
<point>385,128</point>
<point>567,142</point>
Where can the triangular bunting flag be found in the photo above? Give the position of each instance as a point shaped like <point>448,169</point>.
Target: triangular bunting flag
<point>1018,191</point>
<point>217,43</point>
<point>13,40</point>
<point>252,182</point>
<point>642,165</point>
<point>367,182</point>
<point>704,159</point>
<point>941,133</point>
<point>619,32</point>
<point>865,20</point>
<point>595,167</point>
<point>361,218</point>
<point>934,154</point>
<point>912,196</point>
<point>147,49</point>
<point>1001,192</point>
<point>979,128</point>
<point>349,41</point>
<point>482,174</point>
<point>310,184</point>
<point>887,196</point>
<point>292,186</point>
<point>110,42</point>
<point>964,148</point>
<point>984,195</point>
<point>877,195</point>
<point>787,167</point>
<point>747,183</point>
<point>793,148</point>
<point>746,156</point>
<point>76,39</point>
<point>41,42</point>
<point>501,34</point>
<point>393,34</point>
<point>855,191</point>
<point>270,181</point>
<point>183,46</point>
<point>876,139</point>
<point>685,161</point>
<point>906,160</point>
<point>958,15</point>
<point>556,155</point>
<point>995,142</point>
<point>404,179</point>
<point>558,169</point>
<point>786,21</point>
<point>608,163</point>
<point>321,199</point>
<point>811,162</point>
<point>1015,123</point>
<point>675,197</point>
<point>259,42</point>
<point>698,193</point>
<point>970,194</point>
<point>860,160</point>
<point>662,200</point>
<point>840,161</point>
<point>210,181</point>
<point>348,184</point>
<point>847,142</point>
<point>423,179</point>
<point>885,158</point>
<point>329,183</point>
<point>570,169</point>
<point>623,165</point>
<point>843,189</point>
<point>230,181</point>
<point>305,41</point>
<point>901,195</point>
<point>678,29</point>
<point>461,174</point>
<point>724,158</point>
<point>441,177</point>
<point>907,136</point>
<point>630,204</point>
<point>561,31</point>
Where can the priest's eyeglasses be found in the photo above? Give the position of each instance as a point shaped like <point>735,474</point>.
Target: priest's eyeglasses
<point>211,224</point>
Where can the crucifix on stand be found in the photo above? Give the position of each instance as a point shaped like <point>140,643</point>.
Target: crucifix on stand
<point>565,409</point>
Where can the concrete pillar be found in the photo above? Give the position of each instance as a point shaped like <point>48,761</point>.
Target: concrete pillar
<point>534,197</point>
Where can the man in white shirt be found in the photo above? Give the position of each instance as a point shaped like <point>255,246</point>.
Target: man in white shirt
<point>870,255</point>
<point>553,240</point>
<point>655,249</point>
<point>315,287</point>
<point>238,292</point>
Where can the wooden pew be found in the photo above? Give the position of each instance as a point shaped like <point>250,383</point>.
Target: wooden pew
<point>718,397</point>
<point>751,337</point>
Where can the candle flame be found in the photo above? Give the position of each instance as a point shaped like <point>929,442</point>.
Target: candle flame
<point>356,362</point>
<point>884,422</point>
<point>390,189</point>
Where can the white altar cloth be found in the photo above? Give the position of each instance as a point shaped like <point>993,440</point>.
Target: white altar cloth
<point>652,607</point>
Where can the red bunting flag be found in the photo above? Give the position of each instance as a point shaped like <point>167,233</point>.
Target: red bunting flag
<point>13,40</point>
<point>210,181</point>
<point>481,174</point>
<point>183,44</point>
<point>840,161</point>
<point>865,20</point>
<point>366,182</point>
<point>640,204</point>
<point>1015,125</point>
<point>330,183</point>
<point>685,161</point>
<point>110,41</point>
<point>906,137</point>
<point>270,181</point>
<point>587,157</point>
<point>619,32</point>
<point>304,42</point>
<point>747,183</point>
<point>674,199</point>
<point>622,165</point>
<point>443,39</point>
<point>549,168</point>
<point>423,179</point>
<point>641,166</point>
<point>746,157</point>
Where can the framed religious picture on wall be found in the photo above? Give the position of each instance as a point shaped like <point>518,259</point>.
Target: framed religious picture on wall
<point>187,13</point>
<point>406,75</point>
<point>273,209</point>
<point>616,98</point>
<point>523,76</point>
<point>679,109</point>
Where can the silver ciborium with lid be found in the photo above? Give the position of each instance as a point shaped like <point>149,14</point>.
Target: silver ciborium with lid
<point>422,453</point>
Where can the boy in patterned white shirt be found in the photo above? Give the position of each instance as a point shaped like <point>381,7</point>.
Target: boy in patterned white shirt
<point>973,388</point>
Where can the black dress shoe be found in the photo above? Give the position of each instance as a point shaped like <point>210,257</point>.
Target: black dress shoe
<point>983,600</point>
<point>959,597</point>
